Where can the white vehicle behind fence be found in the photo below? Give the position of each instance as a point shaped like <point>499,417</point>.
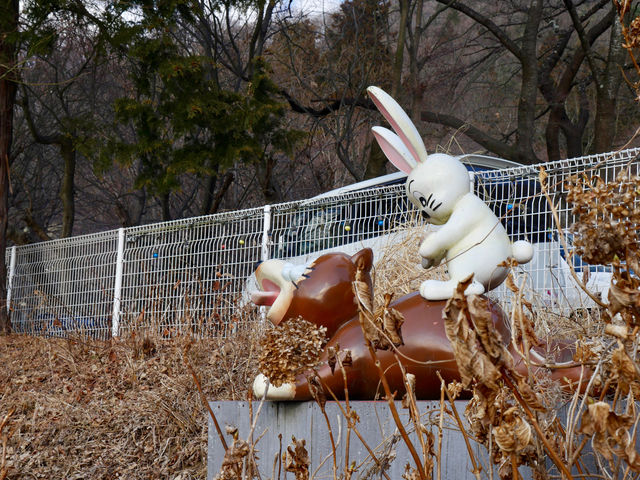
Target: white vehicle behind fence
<point>548,279</point>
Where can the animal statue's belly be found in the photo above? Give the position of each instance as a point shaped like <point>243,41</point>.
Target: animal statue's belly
<point>425,352</point>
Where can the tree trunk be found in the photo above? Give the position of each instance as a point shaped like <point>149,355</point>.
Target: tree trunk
<point>9,10</point>
<point>399,57</point>
<point>376,163</point>
<point>605,124</point>
<point>166,207</point>
<point>68,187</point>
<point>608,84</point>
<point>559,122</point>
<point>529,86</point>
<point>222,191</point>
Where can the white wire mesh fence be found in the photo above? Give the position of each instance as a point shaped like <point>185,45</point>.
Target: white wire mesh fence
<point>63,285</point>
<point>192,275</point>
<point>517,196</point>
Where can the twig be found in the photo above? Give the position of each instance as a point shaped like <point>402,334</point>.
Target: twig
<point>321,404</point>
<point>550,451</point>
<point>476,468</point>
<point>348,418</point>
<point>333,453</point>
<point>515,474</point>
<point>563,432</point>
<point>573,419</point>
<point>355,430</point>
<point>414,413</point>
<point>280,456</point>
<point>389,396</point>
<point>394,413</point>
<point>253,427</point>
<point>440,426</point>
<point>204,400</point>
<point>5,438</point>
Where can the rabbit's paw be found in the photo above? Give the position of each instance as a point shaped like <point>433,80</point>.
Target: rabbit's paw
<point>436,289</point>
<point>443,290</point>
<point>427,262</point>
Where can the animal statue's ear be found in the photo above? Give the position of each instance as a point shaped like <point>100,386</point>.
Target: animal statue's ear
<point>363,259</point>
<point>394,149</point>
<point>400,122</point>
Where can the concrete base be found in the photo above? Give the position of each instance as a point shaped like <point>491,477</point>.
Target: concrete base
<point>304,420</point>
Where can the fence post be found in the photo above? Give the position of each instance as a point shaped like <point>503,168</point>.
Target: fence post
<point>266,229</point>
<point>264,255</point>
<point>117,288</point>
<point>12,270</point>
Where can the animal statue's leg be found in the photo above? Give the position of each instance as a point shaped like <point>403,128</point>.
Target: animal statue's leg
<point>443,290</point>
<point>286,391</point>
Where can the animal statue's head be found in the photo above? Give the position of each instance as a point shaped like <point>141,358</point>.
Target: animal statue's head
<point>435,182</point>
<point>320,292</point>
<point>435,186</point>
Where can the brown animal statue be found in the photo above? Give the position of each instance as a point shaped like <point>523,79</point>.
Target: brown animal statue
<point>322,294</point>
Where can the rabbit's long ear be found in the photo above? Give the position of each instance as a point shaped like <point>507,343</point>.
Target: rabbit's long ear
<point>395,149</point>
<point>400,122</point>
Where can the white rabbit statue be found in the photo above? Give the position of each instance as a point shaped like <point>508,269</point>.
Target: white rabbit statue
<point>471,237</point>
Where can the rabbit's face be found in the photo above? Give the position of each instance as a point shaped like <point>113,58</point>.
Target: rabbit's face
<point>436,185</point>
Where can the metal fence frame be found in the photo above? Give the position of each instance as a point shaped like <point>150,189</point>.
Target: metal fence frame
<point>191,274</point>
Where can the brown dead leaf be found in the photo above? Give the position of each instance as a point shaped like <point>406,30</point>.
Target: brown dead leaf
<point>233,457</point>
<point>316,390</point>
<point>365,309</point>
<point>332,358</point>
<point>472,359</point>
<point>623,369</point>
<point>392,321</point>
<point>410,473</point>
<point>621,298</point>
<point>514,433</point>
<point>529,396</point>
<point>411,388</point>
<point>296,459</point>
<point>487,334</point>
<point>454,388</point>
<point>542,176</point>
<point>609,431</point>
<point>382,328</point>
<point>347,360</point>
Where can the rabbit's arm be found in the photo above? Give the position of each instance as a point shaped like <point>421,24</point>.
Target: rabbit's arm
<point>461,222</point>
<point>432,262</point>
<point>436,245</point>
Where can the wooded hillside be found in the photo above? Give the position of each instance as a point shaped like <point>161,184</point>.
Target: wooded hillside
<point>121,113</point>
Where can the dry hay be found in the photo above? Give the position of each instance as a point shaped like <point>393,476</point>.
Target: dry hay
<point>398,269</point>
<point>126,408</point>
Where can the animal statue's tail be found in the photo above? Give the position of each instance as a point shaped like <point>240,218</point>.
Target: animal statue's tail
<point>522,251</point>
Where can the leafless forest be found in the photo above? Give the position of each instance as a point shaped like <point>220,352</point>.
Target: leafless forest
<point>525,80</point>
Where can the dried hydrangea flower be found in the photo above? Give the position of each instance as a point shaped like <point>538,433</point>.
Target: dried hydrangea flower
<point>290,349</point>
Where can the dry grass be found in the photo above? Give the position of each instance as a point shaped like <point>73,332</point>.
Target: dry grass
<point>126,408</point>
<point>398,269</point>
<point>129,408</point>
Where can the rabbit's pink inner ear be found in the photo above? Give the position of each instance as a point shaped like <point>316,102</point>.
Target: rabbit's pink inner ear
<point>385,104</point>
<point>396,152</point>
